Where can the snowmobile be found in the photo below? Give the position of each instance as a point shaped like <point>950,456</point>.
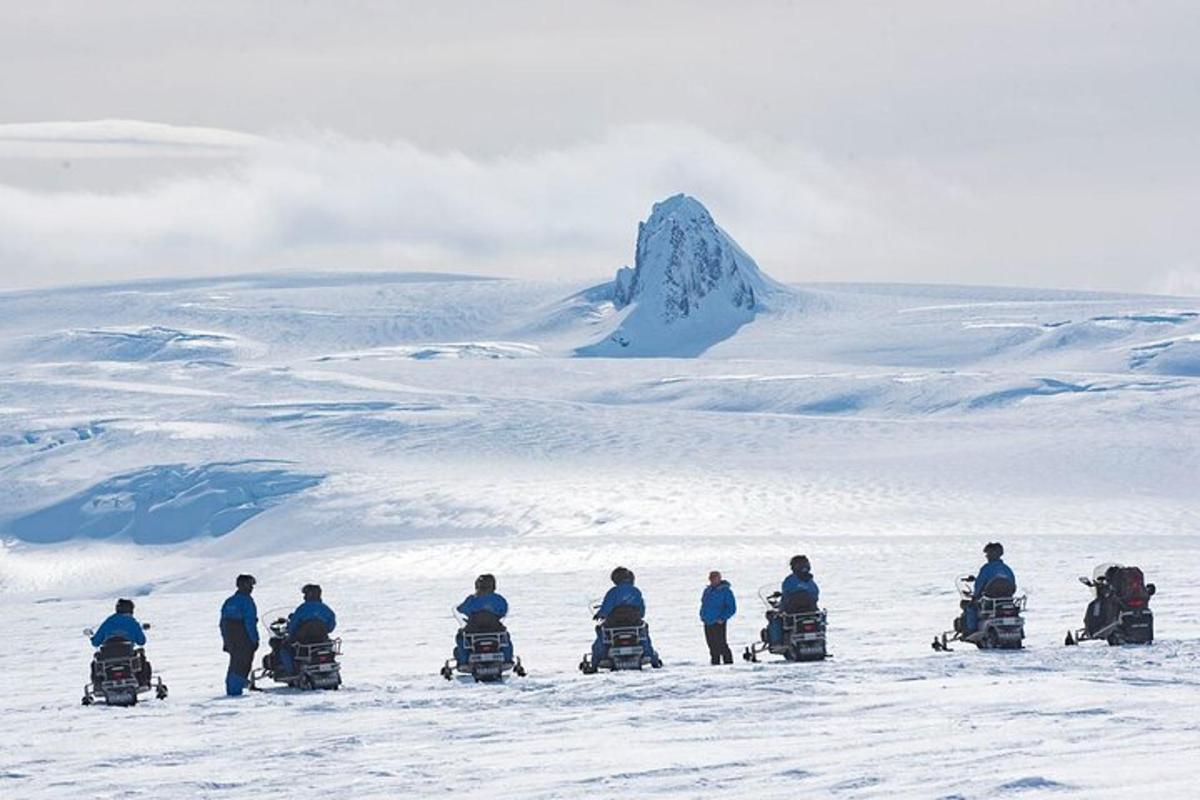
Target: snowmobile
<point>802,625</point>
<point>1120,612</point>
<point>120,672</point>
<point>485,641</point>
<point>314,657</point>
<point>623,634</point>
<point>1000,624</point>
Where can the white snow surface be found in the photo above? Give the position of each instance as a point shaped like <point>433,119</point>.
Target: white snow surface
<point>391,436</point>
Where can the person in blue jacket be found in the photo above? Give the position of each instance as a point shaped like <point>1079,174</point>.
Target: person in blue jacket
<point>798,592</point>
<point>239,634</point>
<point>484,609</point>
<point>717,606</point>
<point>123,625</point>
<point>310,623</point>
<point>623,594</point>
<point>992,569</point>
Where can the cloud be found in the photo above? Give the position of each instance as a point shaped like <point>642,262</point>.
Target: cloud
<point>229,202</point>
<point>331,202</point>
<point>117,138</point>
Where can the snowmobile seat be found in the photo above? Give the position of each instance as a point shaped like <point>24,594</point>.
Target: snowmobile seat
<point>483,622</point>
<point>797,603</point>
<point>999,588</point>
<point>115,647</point>
<point>312,631</point>
<point>623,617</point>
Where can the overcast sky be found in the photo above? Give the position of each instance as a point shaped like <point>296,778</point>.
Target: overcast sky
<point>1044,144</point>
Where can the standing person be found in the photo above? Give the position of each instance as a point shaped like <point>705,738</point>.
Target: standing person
<point>239,632</point>
<point>717,606</point>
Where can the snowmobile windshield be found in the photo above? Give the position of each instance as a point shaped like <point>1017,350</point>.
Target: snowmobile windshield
<point>273,615</point>
<point>769,594</point>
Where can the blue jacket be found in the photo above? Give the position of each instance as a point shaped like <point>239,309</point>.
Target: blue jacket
<point>623,594</point>
<point>493,602</point>
<point>717,603</point>
<point>240,606</point>
<point>990,570</point>
<point>311,609</point>
<point>793,583</point>
<point>123,625</point>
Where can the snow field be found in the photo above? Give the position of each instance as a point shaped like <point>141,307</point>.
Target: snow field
<point>390,437</point>
<point>887,715</point>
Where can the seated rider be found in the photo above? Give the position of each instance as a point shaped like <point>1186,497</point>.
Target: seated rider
<point>484,611</point>
<point>798,594</point>
<point>993,570</point>
<point>623,606</point>
<point>122,626</point>
<point>310,623</point>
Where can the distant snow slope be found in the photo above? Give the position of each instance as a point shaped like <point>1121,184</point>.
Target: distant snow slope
<point>164,504</point>
<point>691,286</point>
<point>392,436</point>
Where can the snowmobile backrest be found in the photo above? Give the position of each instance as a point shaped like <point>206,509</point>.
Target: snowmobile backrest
<point>1130,585</point>
<point>623,617</point>
<point>116,647</point>
<point>312,631</point>
<point>484,622</point>
<point>797,603</point>
<point>999,587</point>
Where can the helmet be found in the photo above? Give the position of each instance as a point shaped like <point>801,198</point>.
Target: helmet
<point>800,565</point>
<point>622,575</point>
<point>993,550</point>
<point>245,583</point>
<point>485,583</point>
<point>311,591</point>
<point>124,606</point>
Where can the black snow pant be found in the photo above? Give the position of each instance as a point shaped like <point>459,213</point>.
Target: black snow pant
<point>241,656</point>
<point>718,647</point>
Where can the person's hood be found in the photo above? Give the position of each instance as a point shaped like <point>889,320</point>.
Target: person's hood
<point>721,583</point>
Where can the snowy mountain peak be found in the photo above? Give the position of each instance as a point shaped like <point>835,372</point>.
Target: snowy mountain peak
<point>682,258</point>
<point>691,285</point>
